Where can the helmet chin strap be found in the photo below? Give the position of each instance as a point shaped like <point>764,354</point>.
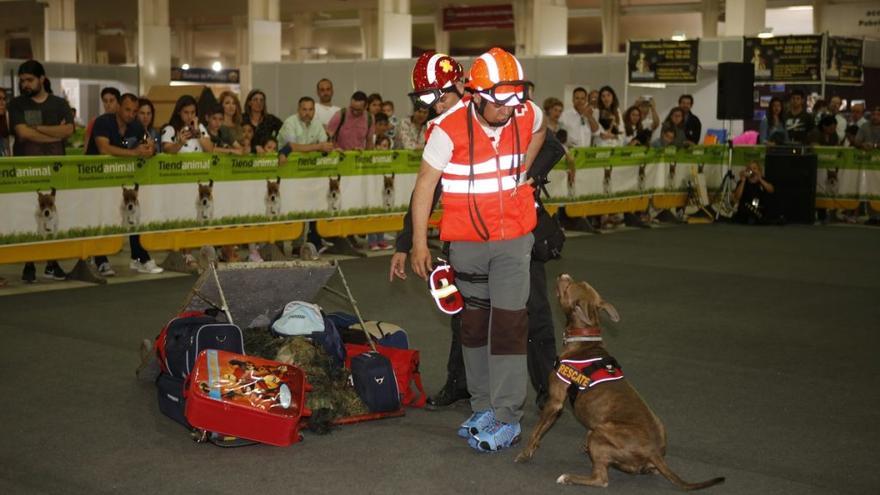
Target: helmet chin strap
<point>481,107</point>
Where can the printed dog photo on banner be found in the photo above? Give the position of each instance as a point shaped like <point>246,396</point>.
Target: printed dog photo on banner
<point>334,194</point>
<point>47,214</point>
<point>388,191</point>
<point>831,182</point>
<point>273,198</point>
<point>205,202</point>
<point>606,180</point>
<point>130,207</point>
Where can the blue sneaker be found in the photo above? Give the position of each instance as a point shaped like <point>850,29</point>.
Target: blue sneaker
<point>478,421</point>
<point>496,437</point>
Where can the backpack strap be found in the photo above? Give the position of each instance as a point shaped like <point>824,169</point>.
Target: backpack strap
<point>341,122</point>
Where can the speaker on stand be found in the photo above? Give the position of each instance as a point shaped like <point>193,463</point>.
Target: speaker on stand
<point>736,85</point>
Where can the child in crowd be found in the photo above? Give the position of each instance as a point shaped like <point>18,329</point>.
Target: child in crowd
<point>667,138</point>
<point>247,138</point>
<point>388,109</point>
<point>221,140</point>
<point>383,143</point>
<point>269,147</point>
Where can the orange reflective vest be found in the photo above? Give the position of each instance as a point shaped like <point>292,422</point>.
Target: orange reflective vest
<point>482,200</point>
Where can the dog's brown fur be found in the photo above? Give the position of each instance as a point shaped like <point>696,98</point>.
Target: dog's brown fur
<point>621,430</point>
<point>130,196</point>
<point>206,191</point>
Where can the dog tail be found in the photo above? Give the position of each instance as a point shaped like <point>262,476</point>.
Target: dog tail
<point>667,473</point>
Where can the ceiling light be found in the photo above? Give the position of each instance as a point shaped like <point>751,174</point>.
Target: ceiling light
<point>217,66</point>
<point>185,66</point>
<point>678,36</point>
<point>766,33</point>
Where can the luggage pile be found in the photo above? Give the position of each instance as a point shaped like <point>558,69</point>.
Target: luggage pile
<point>299,369</point>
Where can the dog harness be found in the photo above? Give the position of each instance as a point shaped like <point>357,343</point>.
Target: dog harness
<point>587,373</point>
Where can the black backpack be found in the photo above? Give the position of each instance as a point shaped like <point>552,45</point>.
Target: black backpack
<point>375,382</point>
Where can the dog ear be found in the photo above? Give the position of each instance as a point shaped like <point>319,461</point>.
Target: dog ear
<point>582,313</point>
<point>610,310</point>
<point>210,182</point>
<point>392,175</point>
<point>136,186</point>
<point>338,177</point>
<point>278,179</point>
<point>53,192</point>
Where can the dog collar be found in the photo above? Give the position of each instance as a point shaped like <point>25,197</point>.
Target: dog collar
<point>585,334</point>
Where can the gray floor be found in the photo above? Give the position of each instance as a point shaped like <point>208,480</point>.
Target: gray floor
<point>756,346</point>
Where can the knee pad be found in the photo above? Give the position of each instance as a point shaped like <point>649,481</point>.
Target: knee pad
<point>474,327</point>
<point>510,331</point>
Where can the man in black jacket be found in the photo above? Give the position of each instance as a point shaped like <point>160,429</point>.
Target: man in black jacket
<point>692,125</point>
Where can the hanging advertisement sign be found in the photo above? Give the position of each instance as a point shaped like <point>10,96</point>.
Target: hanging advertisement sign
<point>663,61</point>
<point>788,59</point>
<point>843,60</point>
<point>479,17</point>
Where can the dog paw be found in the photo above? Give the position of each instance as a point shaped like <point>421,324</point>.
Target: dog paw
<point>563,479</point>
<point>523,457</point>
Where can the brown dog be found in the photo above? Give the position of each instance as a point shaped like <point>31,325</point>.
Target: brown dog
<point>621,430</point>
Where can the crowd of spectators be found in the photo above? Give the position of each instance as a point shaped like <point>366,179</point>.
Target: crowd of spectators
<point>595,118</point>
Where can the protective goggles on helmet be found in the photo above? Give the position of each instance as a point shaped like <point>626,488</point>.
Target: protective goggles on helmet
<point>426,98</point>
<point>508,93</point>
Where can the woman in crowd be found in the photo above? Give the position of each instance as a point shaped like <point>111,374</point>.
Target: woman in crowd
<point>5,148</point>
<point>634,133</point>
<point>374,104</point>
<point>265,124</point>
<point>650,119</point>
<point>147,117</point>
<point>184,133</point>
<point>675,120</point>
<point>820,108</point>
<point>772,130</point>
<point>411,132</point>
<point>553,110</point>
<point>610,132</point>
<point>231,130</point>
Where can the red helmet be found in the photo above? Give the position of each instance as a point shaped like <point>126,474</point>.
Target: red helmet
<point>435,71</point>
<point>434,74</point>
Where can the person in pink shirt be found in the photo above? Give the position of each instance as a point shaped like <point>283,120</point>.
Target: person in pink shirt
<point>352,128</point>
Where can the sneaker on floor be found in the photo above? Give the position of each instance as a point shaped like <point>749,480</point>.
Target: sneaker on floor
<point>477,422</point>
<point>134,264</point>
<point>254,257</point>
<point>106,270</point>
<point>496,437</point>
<point>29,274</point>
<point>54,272</point>
<point>149,267</point>
<point>375,247</point>
<point>383,246</point>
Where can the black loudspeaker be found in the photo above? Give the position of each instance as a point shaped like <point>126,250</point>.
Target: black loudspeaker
<point>736,83</point>
<point>792,171</point>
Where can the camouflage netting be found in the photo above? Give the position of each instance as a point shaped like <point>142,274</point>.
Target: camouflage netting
<point>331,397</point>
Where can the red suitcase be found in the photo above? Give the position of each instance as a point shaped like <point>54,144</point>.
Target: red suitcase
<point>247,397</point>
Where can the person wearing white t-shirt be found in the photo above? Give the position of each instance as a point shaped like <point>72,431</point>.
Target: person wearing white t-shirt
<point>184,133</point>
<point>324,108</point>
<point>580,121</point>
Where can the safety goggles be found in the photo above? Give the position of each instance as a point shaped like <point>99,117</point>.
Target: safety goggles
<point>428,97</point>
<point>508,93</point>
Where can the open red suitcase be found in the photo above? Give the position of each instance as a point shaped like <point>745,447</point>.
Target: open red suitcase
<point>247,397</point>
